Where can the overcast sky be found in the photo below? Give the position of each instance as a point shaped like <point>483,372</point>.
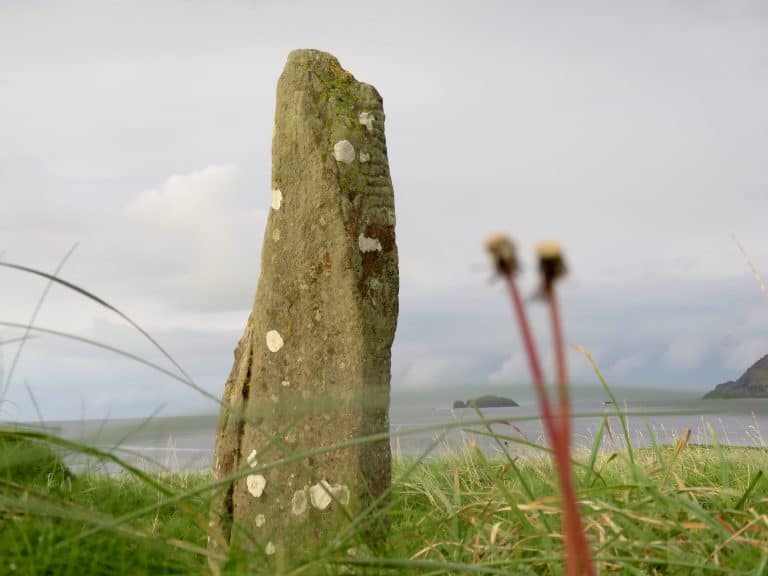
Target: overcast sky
<point>636,133</point>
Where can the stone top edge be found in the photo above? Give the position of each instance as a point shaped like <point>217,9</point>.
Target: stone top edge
<point>311,55</point>
<point>321,62</point>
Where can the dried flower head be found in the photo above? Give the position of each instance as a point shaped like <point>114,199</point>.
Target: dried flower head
<point>503,253</point>
<point>551,264</point>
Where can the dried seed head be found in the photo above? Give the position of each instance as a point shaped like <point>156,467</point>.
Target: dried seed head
<point>503,253</point>
<point>551,265</point>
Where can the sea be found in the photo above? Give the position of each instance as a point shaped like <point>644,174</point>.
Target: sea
<point>185,443</point>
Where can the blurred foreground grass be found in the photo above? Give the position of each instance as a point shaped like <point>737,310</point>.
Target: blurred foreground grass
<point>684,509</point>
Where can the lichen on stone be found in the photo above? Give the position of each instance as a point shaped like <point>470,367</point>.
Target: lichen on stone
<point>274,341</point>
<point>323,493</point>
<point>299,502</point>
<point>277,199</point>
<point>255,484</point>
<point>368,244</point>
<point>260,520</point>
<point>366,119</point>
<point>341,493</point>
<point>343,151</point>
<point>320,495</point>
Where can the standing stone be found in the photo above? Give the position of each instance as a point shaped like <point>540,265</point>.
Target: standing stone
<point>312,368</point>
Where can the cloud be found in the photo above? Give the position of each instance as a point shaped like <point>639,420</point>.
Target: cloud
<point>515,370</point>
<point>742,355</point>
<point>687,353</point>
<point>432,369</point>
<point>196,240</point>
<point>189,245</point>
<point>626,365</point>
<point>154,155</point>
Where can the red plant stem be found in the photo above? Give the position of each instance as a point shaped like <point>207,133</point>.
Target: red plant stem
<point>560,457</point>
<point>533,363</point>
<point>562,373</point>
<point>577,549</point>
<point>574,530</point>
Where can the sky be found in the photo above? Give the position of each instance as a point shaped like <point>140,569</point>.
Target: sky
<point>634,133</point>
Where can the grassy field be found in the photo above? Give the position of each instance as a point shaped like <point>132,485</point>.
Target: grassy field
<point>684,509</point>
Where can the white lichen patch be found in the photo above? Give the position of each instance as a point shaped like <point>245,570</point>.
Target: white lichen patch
<point>320,495</point>
<point>276,234</point>
<point>255,484</point>
<point>364,157</point>
<point>341,493</point>
<point>343,151</point>
<point>285,383</point>
<point>252,462</point>
<point>366,119</point>
<point>274,341</point>
<point>277,199</point>
<point>368,244</point>
<point>269,549</point>
<point>260,520</point>
<point>323,493</point>
<point>299,502</point>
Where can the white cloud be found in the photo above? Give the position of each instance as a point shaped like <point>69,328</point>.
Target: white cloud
<point>196,239</point>
<point>626,365</point>
<point>190,245</point>
<point>515,369</point>
<point>431,370</point>
<point>687,353</point>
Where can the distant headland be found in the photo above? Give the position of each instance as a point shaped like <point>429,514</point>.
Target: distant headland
<point>752,384</point>
<point>487,401</point>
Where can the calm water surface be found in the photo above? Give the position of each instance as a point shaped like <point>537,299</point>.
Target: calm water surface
<point>186,443</point>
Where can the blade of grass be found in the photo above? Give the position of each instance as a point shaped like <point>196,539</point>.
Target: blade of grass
<point>596,444</point>
<point>101,454</point>
<point>619,413</point>
<point>295,457</point>
<point>418,565</point>
<point>749,490</point>
<point>18,339</point>
<point>83,292</point>
<point>761,568</point>
<point>35,312</point>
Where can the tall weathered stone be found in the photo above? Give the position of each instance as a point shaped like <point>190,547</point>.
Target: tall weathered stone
<point>312,368</point>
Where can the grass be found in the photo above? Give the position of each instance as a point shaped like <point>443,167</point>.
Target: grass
<point>685,509</point>
<point>682,509</point>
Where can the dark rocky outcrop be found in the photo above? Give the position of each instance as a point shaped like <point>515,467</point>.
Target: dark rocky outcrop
<point>752,384</point>
<point>487,401</point>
